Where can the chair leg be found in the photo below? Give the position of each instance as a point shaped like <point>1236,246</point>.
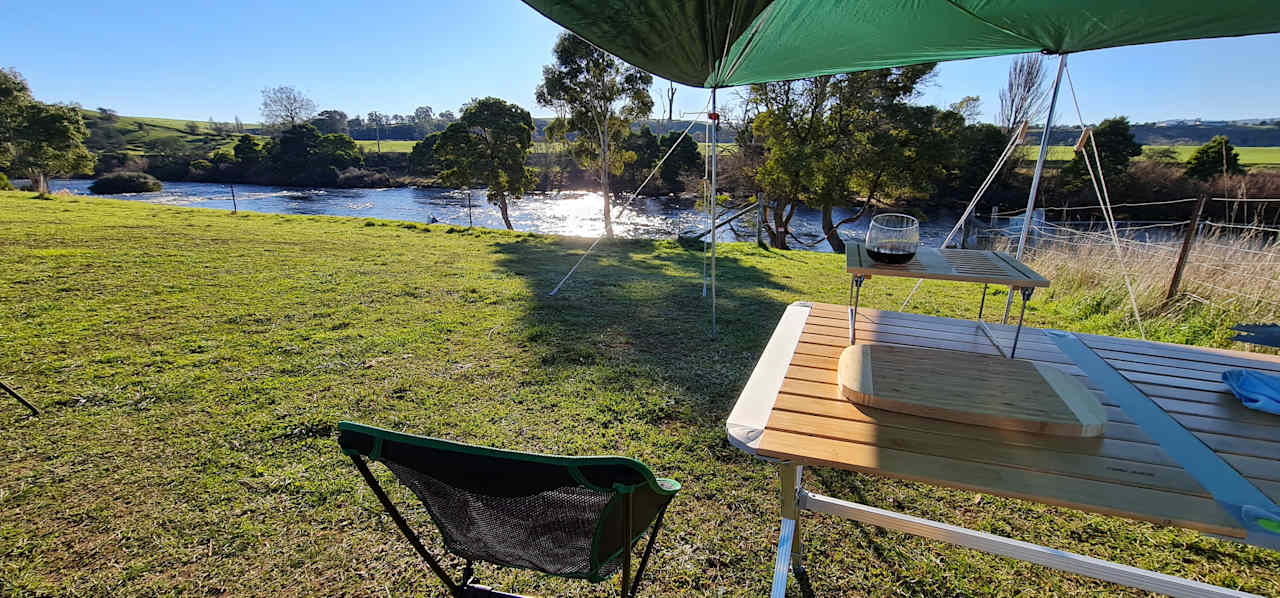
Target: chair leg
<point>454,589</point>
<point>648,549</point>
<point>626,550</point>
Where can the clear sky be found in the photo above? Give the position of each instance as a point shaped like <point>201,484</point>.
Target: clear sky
<point>193,60</point>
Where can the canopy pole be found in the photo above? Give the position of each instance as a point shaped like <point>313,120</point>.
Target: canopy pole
<point>715,149</point>
<point>1035,178</point>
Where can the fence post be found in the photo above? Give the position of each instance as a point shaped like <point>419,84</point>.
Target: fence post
<point>1188,239</point>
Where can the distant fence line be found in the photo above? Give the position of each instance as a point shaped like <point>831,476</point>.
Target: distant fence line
<point>1137,205</point>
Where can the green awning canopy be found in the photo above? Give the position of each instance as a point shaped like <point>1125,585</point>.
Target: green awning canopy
<point>722,43</point>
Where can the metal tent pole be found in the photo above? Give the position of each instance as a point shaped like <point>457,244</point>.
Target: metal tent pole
<point>715,147</point>
<point>1035,179</point>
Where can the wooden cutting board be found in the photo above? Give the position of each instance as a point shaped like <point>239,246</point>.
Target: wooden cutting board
<point>984,390</point>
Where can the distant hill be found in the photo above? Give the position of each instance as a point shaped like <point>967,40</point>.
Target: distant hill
<point>1246,133</point>
<point>143,134</point>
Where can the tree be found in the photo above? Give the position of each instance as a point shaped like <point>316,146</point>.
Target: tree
<point>331,121</point>
<point>831,139</point>
<point>786,127</point>
<point>41,140</point>
<point>49,141</point>
<point>600,96</point>
<point>1024,97</point>
<point>422,159</point>
<point>1213,159</point>
<point>239,126</point>
<point>377,120</point>
<point>683,160</point>
<point>1116,146</point>
<point>247,151</point>
<point>644,144</point>
<point>14,97</point>
<point>285,106</point>
<point>970,107</point>
<point>489,144</point>
<point>423,115</point>
<point>301,155</point>
<point>107,114</point>
<point>192,128</point>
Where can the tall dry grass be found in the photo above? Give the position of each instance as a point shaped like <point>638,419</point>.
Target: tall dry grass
<point>1230,278</point>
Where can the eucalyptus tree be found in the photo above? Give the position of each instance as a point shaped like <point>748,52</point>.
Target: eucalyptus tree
<point>599,96</point>
<point>38,139</point>
<point>489,145</point>
<point>787,121</point>
<point>839,141</point>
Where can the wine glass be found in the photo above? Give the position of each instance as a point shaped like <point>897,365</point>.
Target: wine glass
<point>893,238</point>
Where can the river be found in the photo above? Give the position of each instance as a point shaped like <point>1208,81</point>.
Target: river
<point>573,213</point>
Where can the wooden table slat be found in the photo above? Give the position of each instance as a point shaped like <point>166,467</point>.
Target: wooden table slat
<point>1122,472</point>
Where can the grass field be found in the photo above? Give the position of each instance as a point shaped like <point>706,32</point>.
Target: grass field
<point>192,366</point>
<point>1268,157</point>
<point>388,146</point>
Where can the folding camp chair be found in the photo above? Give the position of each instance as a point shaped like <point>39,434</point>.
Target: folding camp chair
<point>575,517</point>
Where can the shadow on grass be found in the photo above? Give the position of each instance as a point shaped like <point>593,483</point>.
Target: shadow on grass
<point>636,310</point>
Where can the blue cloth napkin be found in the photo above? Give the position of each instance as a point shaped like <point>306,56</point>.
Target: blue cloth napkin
<point>1255,390</point>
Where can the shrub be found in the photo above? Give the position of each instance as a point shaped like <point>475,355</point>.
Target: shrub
<point>360,178</point>
<point>125,182</point>
<point>5,185</point>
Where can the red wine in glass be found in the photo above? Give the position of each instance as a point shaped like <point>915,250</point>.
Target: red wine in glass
<point>890,256</point>
<point>893,238</point>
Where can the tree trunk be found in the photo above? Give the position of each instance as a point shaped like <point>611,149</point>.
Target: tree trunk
<point>604,184</point>
<point>39,182</point>
<point>779,237</point>
<point>829,228</point>
<point>506,219</point>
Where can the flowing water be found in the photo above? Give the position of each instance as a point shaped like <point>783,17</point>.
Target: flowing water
<point>573,213</point>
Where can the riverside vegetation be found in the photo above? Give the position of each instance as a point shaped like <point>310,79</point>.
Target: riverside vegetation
<point>192,365</point>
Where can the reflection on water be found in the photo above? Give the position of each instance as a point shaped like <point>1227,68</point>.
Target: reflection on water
<point>565,213</point>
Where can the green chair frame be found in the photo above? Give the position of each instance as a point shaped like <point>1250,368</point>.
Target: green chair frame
<point>364,444</point>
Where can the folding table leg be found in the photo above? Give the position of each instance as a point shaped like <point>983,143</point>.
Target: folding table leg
<point>855,295</point>
<point>789,545</point>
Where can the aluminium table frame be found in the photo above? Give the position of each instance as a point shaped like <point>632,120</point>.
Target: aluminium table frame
<point>796,500</point>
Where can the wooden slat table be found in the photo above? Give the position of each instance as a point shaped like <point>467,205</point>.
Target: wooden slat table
<point>792,411</point>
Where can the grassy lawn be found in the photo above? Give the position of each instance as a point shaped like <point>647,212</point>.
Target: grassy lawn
<point>192,366</point>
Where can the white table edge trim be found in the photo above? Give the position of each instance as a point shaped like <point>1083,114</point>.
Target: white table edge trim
<point>750,413</point>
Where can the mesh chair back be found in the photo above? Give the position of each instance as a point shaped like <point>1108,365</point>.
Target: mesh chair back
<point>565,516</point>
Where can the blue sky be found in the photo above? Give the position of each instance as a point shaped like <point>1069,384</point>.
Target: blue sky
<point>199,60</point>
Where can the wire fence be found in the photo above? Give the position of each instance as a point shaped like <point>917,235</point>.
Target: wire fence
<point>1227,265</point>
<point>1144,204</point>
